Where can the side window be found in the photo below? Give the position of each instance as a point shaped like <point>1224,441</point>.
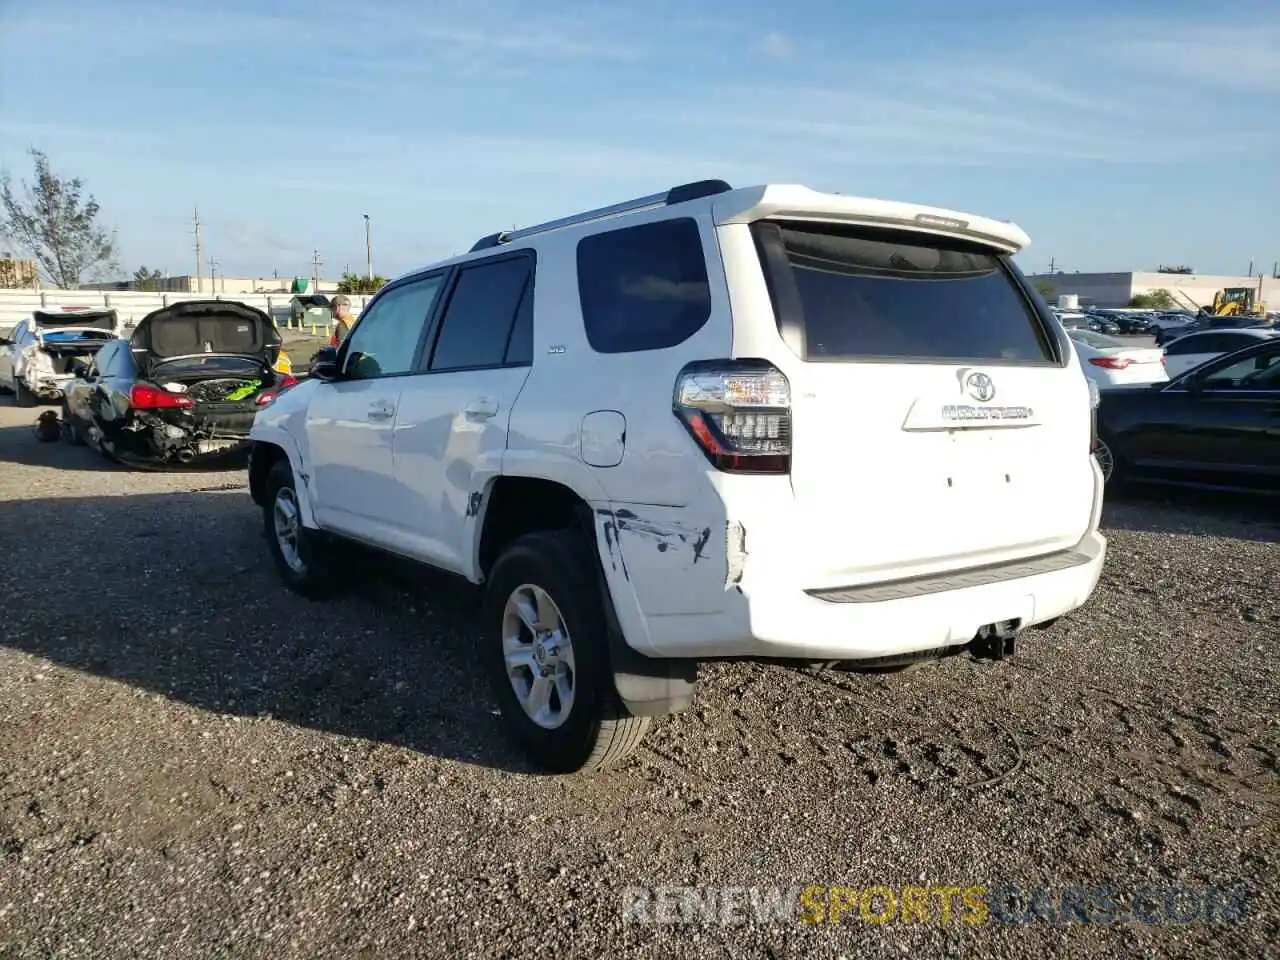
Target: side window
<point>643,288</point>
<point>1189,345</point>
<point>385,339</point>
<point>520,346</point>
<point>104,363</point>
<point>1258,372</point>
<point>477,322</point>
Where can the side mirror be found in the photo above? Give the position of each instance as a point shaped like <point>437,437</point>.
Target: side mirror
<point>324,364</point>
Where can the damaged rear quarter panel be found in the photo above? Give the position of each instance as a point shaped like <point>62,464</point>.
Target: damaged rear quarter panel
<point>674,560</point>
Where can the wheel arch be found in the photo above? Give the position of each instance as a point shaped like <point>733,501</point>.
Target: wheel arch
<point>269,448</point>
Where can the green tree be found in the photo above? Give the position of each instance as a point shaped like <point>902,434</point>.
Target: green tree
<point>358,283</point>
<point>144,279</point>
<point>1155,300</point>
<point>52,223</point>
<point>1178,269</point>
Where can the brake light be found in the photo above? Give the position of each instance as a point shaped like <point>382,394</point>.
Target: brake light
<point>283,382</point>
<point>738,413</point>
<point>144,397</point>
<point>1111,363</point>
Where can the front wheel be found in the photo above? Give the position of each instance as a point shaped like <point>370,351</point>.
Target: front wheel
<point>300,553</point>
<point>546,653</point>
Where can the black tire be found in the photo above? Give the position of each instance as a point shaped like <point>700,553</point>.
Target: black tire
<point>598,732</point>
<point>317,579</point>
<point>22,396</point>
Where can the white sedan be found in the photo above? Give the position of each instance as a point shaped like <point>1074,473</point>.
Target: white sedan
<point>1109,362</point>
<point>1193,349</point>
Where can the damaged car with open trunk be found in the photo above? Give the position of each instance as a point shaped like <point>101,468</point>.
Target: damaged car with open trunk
<point>184,386</point>
<point>38,355</point>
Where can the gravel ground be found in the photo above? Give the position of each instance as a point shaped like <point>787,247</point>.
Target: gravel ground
<point>195,763</point>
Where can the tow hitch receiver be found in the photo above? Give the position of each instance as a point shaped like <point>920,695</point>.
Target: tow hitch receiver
<point>995,640</point>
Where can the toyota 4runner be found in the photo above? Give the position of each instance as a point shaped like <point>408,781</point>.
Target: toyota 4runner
<point>764,423</point>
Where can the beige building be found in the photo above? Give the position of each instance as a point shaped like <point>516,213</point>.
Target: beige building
<point>1189,290</point>
<point>18,274</point>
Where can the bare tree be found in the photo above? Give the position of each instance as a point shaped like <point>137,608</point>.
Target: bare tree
<point>51,222</point>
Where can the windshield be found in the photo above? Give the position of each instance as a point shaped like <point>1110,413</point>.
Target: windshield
<point>844,292</point>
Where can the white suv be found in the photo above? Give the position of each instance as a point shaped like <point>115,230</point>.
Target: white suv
<point>755,423</point>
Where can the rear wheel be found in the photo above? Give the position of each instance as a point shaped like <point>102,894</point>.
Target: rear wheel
<point>546,653</point>
<point>300,553</point>
<point>1106,460</point>
<point>70,429</point>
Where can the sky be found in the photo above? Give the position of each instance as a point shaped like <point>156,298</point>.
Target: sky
<point>1120,135</point>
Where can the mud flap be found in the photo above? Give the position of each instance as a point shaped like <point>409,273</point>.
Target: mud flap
<point>647,686</point>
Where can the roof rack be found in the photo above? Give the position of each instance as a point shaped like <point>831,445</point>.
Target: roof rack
<point>677,194</point>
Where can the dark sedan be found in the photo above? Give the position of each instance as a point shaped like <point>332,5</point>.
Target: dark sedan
<point>1217,425</point>
<point>185,386</point>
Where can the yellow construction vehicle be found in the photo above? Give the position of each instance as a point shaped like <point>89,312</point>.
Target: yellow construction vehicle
<point>1238,302</point>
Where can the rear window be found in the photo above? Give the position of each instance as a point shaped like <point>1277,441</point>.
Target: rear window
<point>843,293</point>
<point>644,287</point>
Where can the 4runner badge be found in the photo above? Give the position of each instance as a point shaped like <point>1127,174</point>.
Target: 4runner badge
<point>980,387</point>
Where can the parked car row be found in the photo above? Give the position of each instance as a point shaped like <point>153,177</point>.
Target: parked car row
<point>182,385</point>
<point>1127,322</point>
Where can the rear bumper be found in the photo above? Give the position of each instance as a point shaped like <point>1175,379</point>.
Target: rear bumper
<point>901,619</point>
<point>159,439</point>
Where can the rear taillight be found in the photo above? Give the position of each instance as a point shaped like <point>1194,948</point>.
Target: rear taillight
<point>283,383</point>
<point>144,397</point>
<point>738,413</point>
<point>1111,363</point>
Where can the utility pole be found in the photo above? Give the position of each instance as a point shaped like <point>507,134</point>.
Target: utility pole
<point>316,264</point>
<point>199,246</point>
<point>368,247</point>
<point>213,275</point>
<point>1052,261</point>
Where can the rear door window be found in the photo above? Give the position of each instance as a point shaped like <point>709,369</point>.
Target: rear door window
<point>644,287</point>
<point>481,312</point>
<point>851,293</point>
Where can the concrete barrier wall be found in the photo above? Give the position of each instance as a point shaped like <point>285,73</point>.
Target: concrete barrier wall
<point>132,306</point>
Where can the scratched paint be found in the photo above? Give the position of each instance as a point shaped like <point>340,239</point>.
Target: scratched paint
<point>473,504</point>
<point>664,536</point>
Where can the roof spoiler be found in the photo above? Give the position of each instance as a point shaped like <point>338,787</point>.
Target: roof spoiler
<point>677,194</point>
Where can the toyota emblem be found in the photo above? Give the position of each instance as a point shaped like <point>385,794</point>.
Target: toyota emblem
<point>980,387</point>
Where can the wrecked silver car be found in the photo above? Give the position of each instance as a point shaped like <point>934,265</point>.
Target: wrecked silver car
<point>184,386</point>
<point>38,355</point>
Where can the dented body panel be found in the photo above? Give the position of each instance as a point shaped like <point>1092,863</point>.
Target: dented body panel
<point>40,356</point>
<point>150,400</point>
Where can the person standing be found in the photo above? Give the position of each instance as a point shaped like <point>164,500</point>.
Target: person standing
<point>340,308</point>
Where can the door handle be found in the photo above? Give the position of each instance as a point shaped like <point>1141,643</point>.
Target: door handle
<point>482,408</point>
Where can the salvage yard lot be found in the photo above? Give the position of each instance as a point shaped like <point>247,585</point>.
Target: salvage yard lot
<point>194,762</point>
